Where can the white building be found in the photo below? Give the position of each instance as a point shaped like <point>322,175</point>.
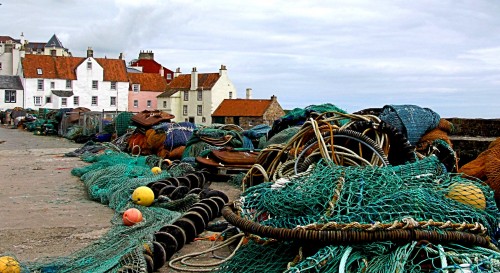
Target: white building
<point>11,92</point>
<point>194,97</point>
<point>55,82</point>
<point>13,50</point>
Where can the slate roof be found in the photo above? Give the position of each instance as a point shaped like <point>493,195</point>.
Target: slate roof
<point>167,93</point>
<point>54,42</point>
<point>10,82</point>
<point>148,81</point>
<point>242,108</point>
<point>62,67</point>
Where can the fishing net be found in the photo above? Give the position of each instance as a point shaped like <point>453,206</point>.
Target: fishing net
<point>412,120</point>
<point>298,116</point>
<point>415,217</point>
<point>110,179</point>
<point>212,138</point>
<point>487,167</point>
<point>122,122</point>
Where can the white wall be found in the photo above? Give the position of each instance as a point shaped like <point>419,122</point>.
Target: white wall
<point>82,87</point>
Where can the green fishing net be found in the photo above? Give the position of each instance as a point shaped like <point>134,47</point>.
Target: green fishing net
<point>362,219</point>
<point>110,179</point>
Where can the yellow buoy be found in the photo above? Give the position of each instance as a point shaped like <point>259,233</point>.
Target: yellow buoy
<point>143,196</point>
<point>156,170</point>
<point>9,265</point>
<point>467,193</point>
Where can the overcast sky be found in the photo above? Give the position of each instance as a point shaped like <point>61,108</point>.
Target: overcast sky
<point>355,54</point>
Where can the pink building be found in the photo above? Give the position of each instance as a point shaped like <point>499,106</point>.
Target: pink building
<point>144,87</point>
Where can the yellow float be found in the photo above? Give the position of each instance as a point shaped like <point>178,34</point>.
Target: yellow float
<point>467,193</point>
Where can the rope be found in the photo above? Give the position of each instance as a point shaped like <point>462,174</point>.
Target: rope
<point>183,259</point>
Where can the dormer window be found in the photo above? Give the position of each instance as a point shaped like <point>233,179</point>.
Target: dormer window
<point>136,88</point>
<point>39,71</point>
<point>89,65</point>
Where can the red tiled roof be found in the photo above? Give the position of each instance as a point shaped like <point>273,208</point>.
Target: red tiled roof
<point>148,81</point>
<point>65,67</point>
<point>183,82</point>
<point>115,70</point>
<point>242,108</point>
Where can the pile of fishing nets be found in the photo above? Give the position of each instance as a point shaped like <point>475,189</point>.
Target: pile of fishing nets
<point>217,136</point>
<point>166,140</point>
<point>415,217</point>
<point>352,193</point>
<point>111,178</point>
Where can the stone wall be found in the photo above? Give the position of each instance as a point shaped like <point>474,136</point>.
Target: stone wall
<point>476,127</point>
<point>472,137</point>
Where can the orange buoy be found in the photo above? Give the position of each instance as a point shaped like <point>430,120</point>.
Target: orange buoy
<point>132,216</point>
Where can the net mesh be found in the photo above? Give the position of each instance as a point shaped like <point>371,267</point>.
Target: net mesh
<point>110,179</point>
<point>420,196</point>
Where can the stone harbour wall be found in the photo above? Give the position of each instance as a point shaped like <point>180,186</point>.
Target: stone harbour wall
<point>472,137</point>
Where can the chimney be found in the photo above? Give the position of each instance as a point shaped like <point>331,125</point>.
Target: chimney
<point>194,79</point>
<point>222,70</point>
<point>121,57</point>
<point>90,52</point>
<point>177,72</point>
<point>274,98</point>
<point>146,55</point>
<point>249,93</point>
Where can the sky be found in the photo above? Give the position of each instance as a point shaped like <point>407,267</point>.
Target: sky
<point>355,54</point>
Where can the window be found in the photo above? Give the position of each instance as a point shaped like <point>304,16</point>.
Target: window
<point>39,71</point>
<point>164,104</point>
<point>230,95</point>
<point>203,119</point>
<point>48,99</point>
<point>185,110</point>
<point>113,85</point>
<point>10,96</point>
<point>94,100</point>
<point>136,87</point>
<point>52,85</point>
<point>112,101</point>
<point>38,101</point>
<point>169,76</point>
<point>148,103</point>
<point>186,95</point>
<point>64,101</point>
<point>89,65</point>
<point>39,85</point>
<point>0,66</point>
<point>53,52</point>
<point>76,100</point>
<point>136,103</point>
<point>68,84</point>
<point>199,110</point>
<point>200,95</point>
<point>95,85</point>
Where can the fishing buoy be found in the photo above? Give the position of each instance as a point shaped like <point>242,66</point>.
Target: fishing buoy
<point>9,265</point>
<point>131,217</point>
<point>156,170</point>
<point>143,196</point>
<point>467,193</point>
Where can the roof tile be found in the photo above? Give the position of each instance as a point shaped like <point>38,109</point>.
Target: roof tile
<point>148,81</point>
<point>242,108</point>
